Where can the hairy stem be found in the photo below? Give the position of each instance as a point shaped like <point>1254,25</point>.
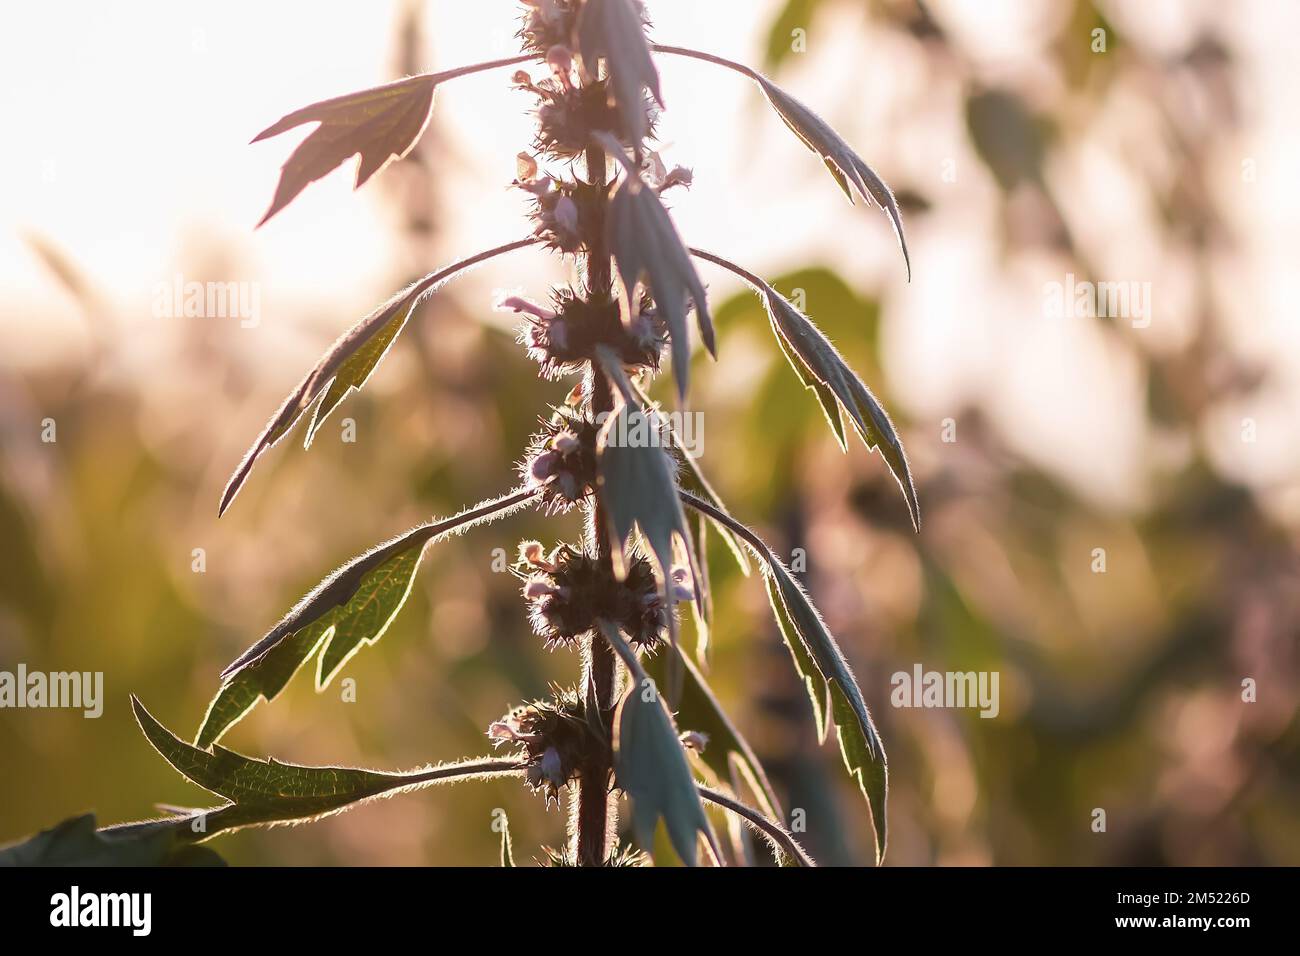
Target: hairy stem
<point>599,277</point>
<point>760,549</point>
<point>709,58</point>
<point>742,273</point>
<point>596,818</point>
<point>773,831</point>
<point>434,279</point>
<point>480,67</point>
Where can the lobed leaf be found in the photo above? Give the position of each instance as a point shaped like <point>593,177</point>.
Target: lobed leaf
<point>825,396</point>
<point>357,368</point>
<point>352,607</point>
<point>821,362</point>
<point>380,124</point>
<point>822,369</point>
<point>846,166</point>
<point>349,363</point>
<point>804,664</point>
<point>860,745</point>
<point>832,688</point>
<point>268,792</point>
<point>615,30</point>
<point>691,478</point>
<point>650,765</point>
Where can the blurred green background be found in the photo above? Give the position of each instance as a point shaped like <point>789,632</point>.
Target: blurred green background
<point>1020,154</point>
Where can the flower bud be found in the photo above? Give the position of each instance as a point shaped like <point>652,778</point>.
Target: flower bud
<point>561,460</point>
<point>682,588</point>
<point>525,168</point>
<point>695,740</point>
<point>560,59</point>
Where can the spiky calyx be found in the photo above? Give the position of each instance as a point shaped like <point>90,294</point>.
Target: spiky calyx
<point>547,24</point>
<point>568,592</point>
<point>564,338</point>
<point>569,113</point>
<point>565,212</point>
<point>553,737</point>
<point>623,855</point>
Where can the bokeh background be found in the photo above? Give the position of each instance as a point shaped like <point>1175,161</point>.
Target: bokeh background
<point>1020,154</point>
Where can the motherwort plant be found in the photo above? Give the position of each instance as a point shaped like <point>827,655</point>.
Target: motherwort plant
<point>595,191</point>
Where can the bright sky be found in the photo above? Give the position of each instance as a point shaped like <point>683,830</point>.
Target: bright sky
<point>127,148</point>
<point>137,137</point>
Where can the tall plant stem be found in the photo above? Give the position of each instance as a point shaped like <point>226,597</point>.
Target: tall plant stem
<point>596,817</point>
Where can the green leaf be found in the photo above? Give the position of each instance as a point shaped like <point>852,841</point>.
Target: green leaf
<point>830,406</point>
<point>691,478</point>
<point>860,745</point>
<point>801,339</point>
<point>702,609</point>
<point>267,791</point>
<point>813,682</point>
<point>615,30</point>
<point>845,165</point>
<point>381,124</point>
<point>638,487</point>
<point>352,607</point>
<point>727,754</point>
<point>348,364</point>
<point>650,765</point>
<point>77,842</point>
<point>646,244</point>
<point>356,371</point>
<point>826,674</point>
<point>822,368</point>
<point>382,584</point>
<point>262,680</point>
<point>862,750</point>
